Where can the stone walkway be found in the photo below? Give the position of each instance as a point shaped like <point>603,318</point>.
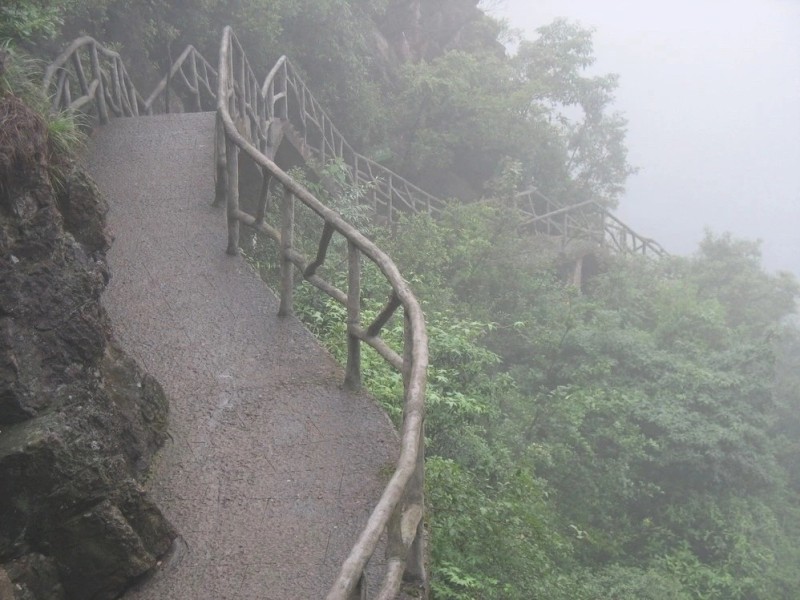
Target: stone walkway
<point>272,469</point>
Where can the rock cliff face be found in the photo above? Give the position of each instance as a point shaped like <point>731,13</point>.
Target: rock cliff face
<point>79,421</point>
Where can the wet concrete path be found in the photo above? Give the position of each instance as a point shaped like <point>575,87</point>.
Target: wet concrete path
<point>271,469</point>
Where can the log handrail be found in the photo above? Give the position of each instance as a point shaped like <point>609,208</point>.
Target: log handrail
<point>390,194</point>
<point>87,72</point>
<point>200,82</point>
<point>245,116</point>
<point>582,220</point>
<point>108,85</point>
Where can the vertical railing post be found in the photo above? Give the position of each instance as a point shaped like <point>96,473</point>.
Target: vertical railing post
<point>63,85</point>
<point>102,109</point>
<point>414,574</point>
<point>270,101</point>
<point>303,113</point>
<point>352,379</point>
<point>360,590</point>
<point>221,179</point>
<point>76,63</point>
<point>249,114</point>
<point>133,99</point>
<point>284,88</point>
<point>242,105</point>
<point>232,177</point>
<point>196,83</point>
<point>263,121</point>
<point>287,268</point>
<point>231,91</point>
<point>263,197</point>
<point>114,92</point>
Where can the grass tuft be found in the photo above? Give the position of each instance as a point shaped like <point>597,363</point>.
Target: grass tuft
<point>32,139</point>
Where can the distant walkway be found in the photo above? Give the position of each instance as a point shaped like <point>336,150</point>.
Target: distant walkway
<point>272,469</point>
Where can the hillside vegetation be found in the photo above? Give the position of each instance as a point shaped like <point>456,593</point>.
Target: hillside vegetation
<point>636,439</point>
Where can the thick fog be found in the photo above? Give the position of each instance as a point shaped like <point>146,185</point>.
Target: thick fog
<point>711,89</point>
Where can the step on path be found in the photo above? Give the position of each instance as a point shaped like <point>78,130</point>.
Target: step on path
<point>271,469</point>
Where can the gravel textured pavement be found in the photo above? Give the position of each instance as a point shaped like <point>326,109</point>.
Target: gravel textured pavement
<point>272,468</point>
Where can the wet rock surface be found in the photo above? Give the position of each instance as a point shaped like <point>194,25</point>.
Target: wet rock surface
<point>79,420</point>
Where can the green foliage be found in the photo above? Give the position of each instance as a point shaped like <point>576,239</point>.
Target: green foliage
<point>631,583</point>
<point>328,40</point>
<point>622,443</point>
<point>642,414</point>
<point>452,115</point>
<point>27,20</point>
<point>62,136</point>
<point>730,271</point>
<point>462,115</point>
<point>551,70</point>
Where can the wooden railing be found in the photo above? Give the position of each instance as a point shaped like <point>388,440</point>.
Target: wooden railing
<point>584,221</point>
<point>88,76</point>
<point>90,69</point>
<point>245,114</point>
<point>390,194</point>
<point>289,99</point>
<point>622,238</point>
<point>199,85</point>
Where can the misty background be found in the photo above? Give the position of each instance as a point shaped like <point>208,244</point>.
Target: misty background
<point>711,91</point>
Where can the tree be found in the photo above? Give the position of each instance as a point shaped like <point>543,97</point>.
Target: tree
<point>460,115</point>
<point>551,71</point>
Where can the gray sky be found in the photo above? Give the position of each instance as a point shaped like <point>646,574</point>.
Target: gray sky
<point>711,90</point>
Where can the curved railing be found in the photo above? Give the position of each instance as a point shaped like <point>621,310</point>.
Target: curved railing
<point>245,111</point>
<point>289,101</point>
<point>88,73</point>
<point>107,84</point>
<point>199,84</point>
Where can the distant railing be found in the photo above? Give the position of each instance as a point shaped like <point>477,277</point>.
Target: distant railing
<point>584,221</point>
<point>304,120</point>
<point>199,84</point>
<point>390,194</point>
<point>622,238</point>
<point>246,112</point>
